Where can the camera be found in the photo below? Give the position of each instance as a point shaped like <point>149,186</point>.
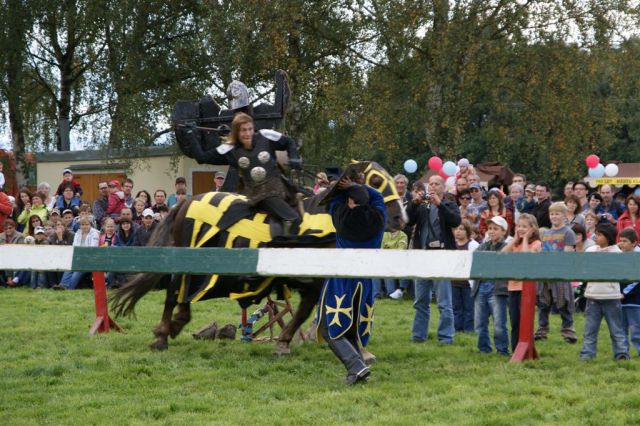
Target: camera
<point>426,197</point>
<point>602,216</point>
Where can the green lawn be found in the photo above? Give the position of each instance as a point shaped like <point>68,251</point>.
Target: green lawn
<point>53,373</point>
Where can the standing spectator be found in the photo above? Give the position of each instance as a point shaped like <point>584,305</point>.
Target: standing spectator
<point>582,242</point>
<point>68,200</point>
<point>581,190</point>
<point>85,212</point>
<point>67,219</point>
<point>34,222</point>
<point>67,179</point>
<point>37,208</point>
<point>346,304</point>
<point>603,299</point>
<point>631,294</point>
<point>144,231</point>
<point>61,236</point>
<point>126,233</point>
<point>477,205</point>
<point>181,195</point>
<point>109,238</point>
<point>461,185</point>
<point>138,208</point>
<point>127,188</point>
<point>610,209</point>
<point>631,217</point>
<point>573,214</point>
<point>526,239</point>
<point>101,205</point>
<point>495,207</point>
<point>568,189</point>
<point>461,290</point>
<point>559,237</point>
<point>490,297</point>
<point>146,197</point>
<point>116,199</point>
<point>11,236</point>
<point>49,201</point>
<point>434,218</point>
<point>516,193</point>
<point>39,278</point>
<point>464,199</point>
<point>519,179</point>
<point>529,201</point>
<point>219,181</point>
<point>593,204</point>
<point>160,197</point>
<point>541,208</point>
<point>6,207</point>
<point>85,237</point>
<point>181,184</point>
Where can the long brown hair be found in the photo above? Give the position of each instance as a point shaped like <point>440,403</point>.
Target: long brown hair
<point>532,222</point>
<point>239,119</point>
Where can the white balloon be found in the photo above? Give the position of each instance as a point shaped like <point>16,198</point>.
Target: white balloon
<point>611,170</point>
<point>451,182</point>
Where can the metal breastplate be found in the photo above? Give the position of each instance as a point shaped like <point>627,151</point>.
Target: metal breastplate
<point>257,166</point>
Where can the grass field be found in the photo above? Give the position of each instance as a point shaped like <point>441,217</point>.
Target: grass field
<point>53,373</point>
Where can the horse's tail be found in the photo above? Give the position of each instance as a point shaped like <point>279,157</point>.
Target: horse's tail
<point>126,297</point>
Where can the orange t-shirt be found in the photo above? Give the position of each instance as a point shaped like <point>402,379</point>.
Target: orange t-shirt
<point>533,247</point>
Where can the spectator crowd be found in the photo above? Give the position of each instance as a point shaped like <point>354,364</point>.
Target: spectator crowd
<point>118,218</point>
<point>458,214</point>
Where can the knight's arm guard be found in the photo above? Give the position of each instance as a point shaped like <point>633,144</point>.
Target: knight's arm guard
<point>284,143</point>
<point>191,147</point>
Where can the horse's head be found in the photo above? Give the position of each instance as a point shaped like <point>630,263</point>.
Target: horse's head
<point>375,176</point>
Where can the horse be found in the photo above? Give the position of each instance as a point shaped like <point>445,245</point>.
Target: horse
<point>219,219</point>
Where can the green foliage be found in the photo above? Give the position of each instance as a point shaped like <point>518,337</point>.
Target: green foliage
<point>54,374</point>
<point>534,84</point>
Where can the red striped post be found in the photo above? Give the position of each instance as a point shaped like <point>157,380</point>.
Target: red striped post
<point>526,348</point>
<point>103,322</point>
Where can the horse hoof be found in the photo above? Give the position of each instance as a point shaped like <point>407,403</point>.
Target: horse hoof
<point>159,345</point>
<point>282,349</point>
<point>368,358</point>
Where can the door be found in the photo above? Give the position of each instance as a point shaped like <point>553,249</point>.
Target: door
<point>203,182</point>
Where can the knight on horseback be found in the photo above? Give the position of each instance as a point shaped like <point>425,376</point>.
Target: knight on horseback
<point>254,155</point>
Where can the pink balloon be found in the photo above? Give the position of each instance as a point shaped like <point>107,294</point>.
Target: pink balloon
<point>592,161</point>
<point>435,163</point>
<point>442,174</point>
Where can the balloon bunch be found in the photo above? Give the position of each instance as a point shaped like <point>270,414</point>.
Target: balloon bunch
<point>597,170</point>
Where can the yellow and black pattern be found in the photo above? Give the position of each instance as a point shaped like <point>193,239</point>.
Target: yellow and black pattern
<point>227,220</point>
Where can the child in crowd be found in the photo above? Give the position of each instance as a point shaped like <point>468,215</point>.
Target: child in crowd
<point>392,240</point>
<point>109,237</point>
<point>631,293</point>
<point>590,222</point>
<point>85,237</point>
<point>603,299</point>
<point>526,239</point>
<point>85,212</point>
<point>491,296</point>
<point>461,290</point>
<point>39,278</point>
<point>558,238</point>
<point>67,179</point>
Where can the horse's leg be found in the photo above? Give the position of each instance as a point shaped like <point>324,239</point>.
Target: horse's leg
<point>180,319</point>
<point>308,298</point>
<point>162,330</point>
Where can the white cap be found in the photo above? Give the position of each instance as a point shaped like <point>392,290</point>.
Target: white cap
<point>147,212</point>
<point>501,222</point>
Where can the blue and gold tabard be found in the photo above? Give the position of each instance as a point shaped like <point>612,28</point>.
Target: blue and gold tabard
<point>340,298</point>
<point>348,302</point>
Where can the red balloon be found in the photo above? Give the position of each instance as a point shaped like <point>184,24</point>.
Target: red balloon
<point>442,174</point>
<point>592,161</point>
<point>435,163</point>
